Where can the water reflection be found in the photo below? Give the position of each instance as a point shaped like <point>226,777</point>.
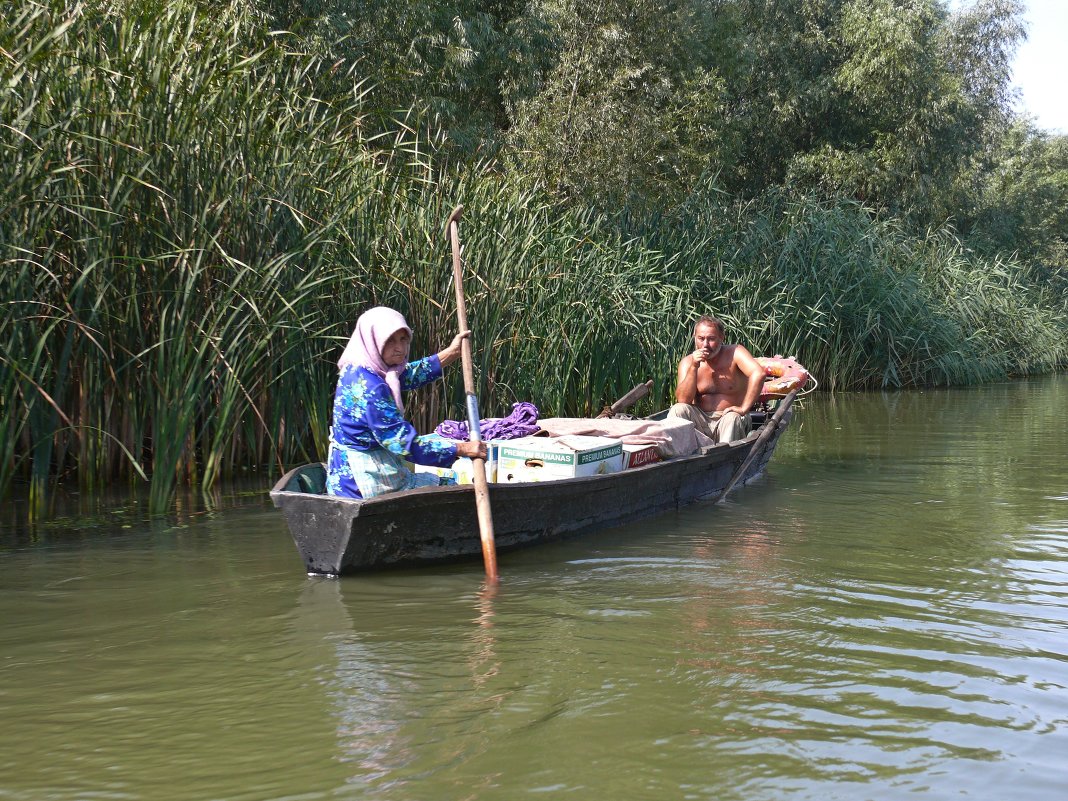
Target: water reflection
<point>72,515</point>
<point>724,666</point>
<point>385,677</point>
<point>360,691</point>
<point>484,662</point>
<point>883,615</point>
<point>916,640</point>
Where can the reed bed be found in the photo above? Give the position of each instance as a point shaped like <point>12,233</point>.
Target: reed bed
<point>861,302</point>
<point>188,233</point>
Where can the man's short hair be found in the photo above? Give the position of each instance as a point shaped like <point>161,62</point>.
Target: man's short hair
<point>715,322</point>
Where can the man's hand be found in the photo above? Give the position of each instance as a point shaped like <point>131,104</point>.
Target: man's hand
<point>700,356</point>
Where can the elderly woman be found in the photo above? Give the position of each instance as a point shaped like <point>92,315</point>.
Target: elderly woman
<point>370,439</point>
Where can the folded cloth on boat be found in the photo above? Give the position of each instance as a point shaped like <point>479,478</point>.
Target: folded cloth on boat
<point>522,421</point>
<point>672,436</point>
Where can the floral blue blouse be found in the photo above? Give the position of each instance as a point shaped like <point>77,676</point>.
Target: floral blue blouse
<point>369,430</point>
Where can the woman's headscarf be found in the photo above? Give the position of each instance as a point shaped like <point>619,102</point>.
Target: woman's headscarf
<point>373,328</point>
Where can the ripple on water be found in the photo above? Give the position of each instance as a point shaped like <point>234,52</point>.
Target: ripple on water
<point>882,615</point>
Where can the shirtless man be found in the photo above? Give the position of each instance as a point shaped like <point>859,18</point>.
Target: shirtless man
<point>718,384</point>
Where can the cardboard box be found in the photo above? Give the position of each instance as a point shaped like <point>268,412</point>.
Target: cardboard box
<point>551,458</point>
<point>441,472</point>
<point>463,469</point>
<point>639,455</point>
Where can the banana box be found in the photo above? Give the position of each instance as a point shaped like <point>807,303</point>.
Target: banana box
<point>462,470</point>
<point>552,458</point>
<point>465,468</point>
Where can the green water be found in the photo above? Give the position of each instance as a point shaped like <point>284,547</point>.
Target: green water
<point>884,616</point>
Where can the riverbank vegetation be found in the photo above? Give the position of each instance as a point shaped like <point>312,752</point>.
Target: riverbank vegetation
<point>197,199</point>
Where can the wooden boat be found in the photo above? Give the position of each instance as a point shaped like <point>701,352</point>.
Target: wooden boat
<point>432,524</point>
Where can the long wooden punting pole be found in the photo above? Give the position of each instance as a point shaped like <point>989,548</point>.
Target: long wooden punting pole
<point>482,500</point>
<point>765,434</point>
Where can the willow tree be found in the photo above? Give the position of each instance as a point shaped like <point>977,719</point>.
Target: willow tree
<point>1021,202</point>
<point>920,96</point>
<point>629,114</point>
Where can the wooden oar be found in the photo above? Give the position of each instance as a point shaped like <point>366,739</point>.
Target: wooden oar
<point>765,434</point>
<point>628,400</point>
<point>482,501</point>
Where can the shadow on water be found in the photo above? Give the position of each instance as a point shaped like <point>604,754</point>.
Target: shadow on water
<point>81,516</point>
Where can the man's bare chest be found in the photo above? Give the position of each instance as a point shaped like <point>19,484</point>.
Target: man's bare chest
<point>717,379</point>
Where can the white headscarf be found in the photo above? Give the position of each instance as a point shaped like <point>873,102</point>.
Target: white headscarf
<point>373,328</point>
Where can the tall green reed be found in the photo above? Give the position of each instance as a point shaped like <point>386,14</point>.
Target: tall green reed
<point>859,300</point>
<point>165,216</point>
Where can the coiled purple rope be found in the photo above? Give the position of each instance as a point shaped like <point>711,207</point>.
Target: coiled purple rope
<point>522,421</point>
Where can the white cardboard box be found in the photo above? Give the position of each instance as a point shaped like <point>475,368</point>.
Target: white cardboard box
<point>462,470</point>
<point>442,472</point>
<point>551,458</point>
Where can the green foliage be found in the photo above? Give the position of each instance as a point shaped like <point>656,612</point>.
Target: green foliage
<point>1021,203</point>
<point>859,301</point>
<point>913,97</point>
<point>164,206</point>
<point>624,116</point>
<point>898,104</point>
<point>452,66</point>
<point>886,102</point>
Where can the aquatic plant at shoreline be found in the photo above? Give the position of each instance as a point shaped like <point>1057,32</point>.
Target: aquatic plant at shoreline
<point>863,303</point>
<point>188,232</point>
<point>160,220</point>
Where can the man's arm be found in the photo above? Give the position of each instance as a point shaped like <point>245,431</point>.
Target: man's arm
<point>686,388</point>
<point>752,370</point>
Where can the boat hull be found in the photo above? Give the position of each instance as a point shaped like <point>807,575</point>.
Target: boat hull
<point>434,524</point>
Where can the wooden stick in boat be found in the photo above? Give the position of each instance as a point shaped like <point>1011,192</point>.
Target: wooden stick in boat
<point>482,500</point>
<point>628,400</point>
<point>765,434</point>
